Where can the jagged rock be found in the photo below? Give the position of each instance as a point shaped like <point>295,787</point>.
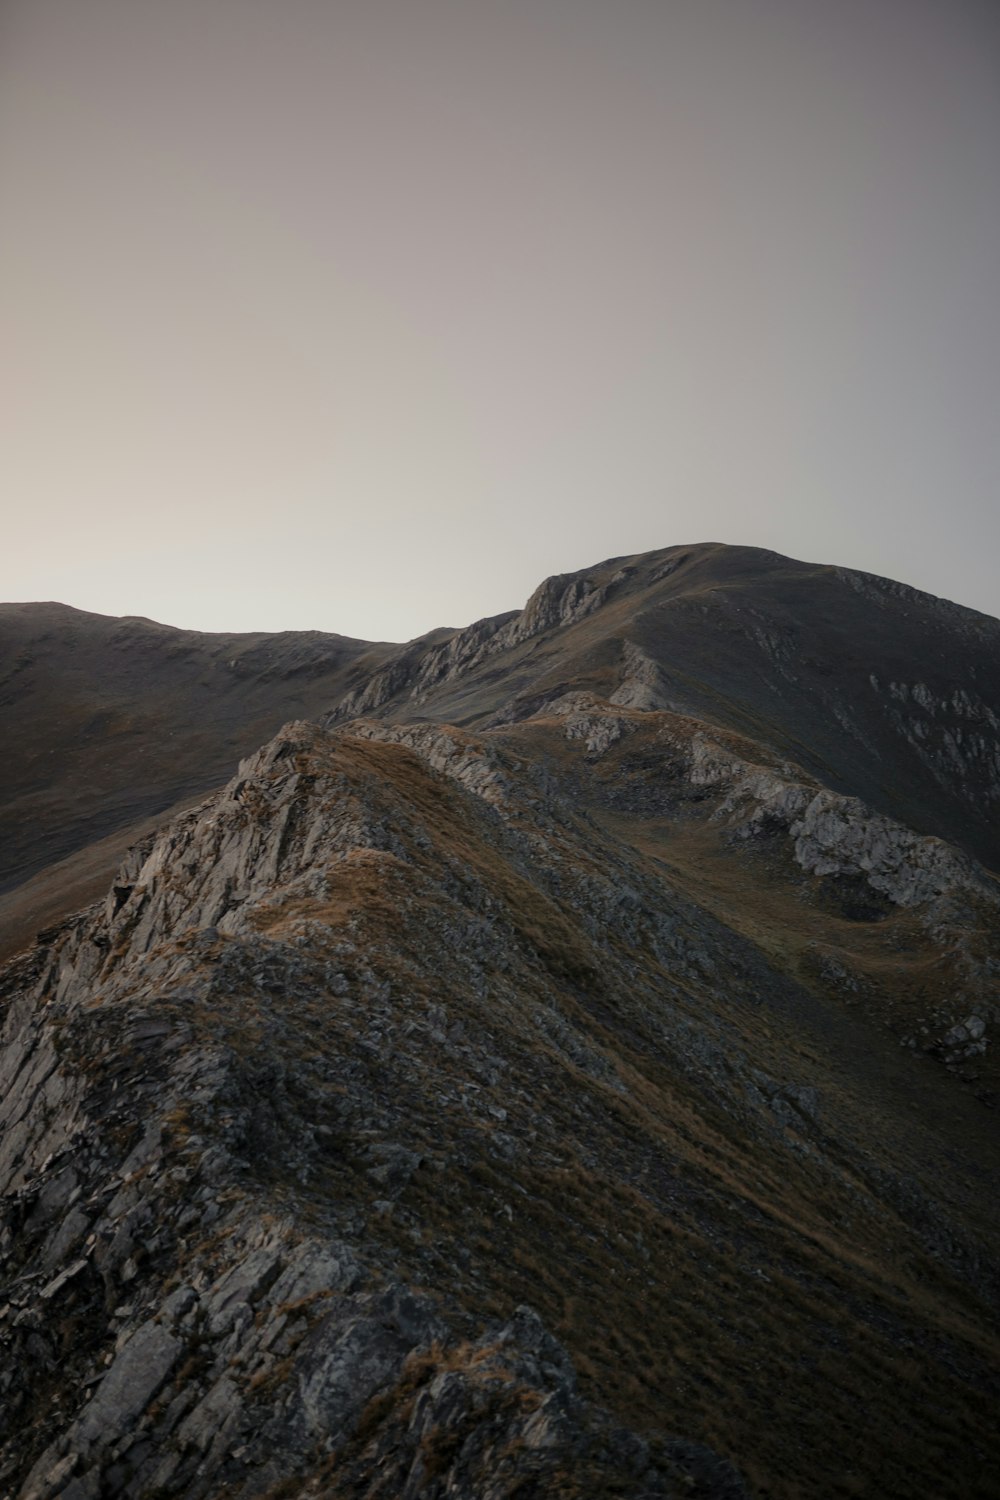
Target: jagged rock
<point>590,1001</point>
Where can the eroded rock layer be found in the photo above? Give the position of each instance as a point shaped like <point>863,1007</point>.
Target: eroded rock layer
<point>588,1100</point>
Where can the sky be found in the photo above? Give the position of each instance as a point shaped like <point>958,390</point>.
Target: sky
<point>366,315</point>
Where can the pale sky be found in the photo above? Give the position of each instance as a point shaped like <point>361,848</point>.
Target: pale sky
<point>366,316</point>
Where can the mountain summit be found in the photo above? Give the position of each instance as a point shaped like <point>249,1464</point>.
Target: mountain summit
<point>556,1063</point>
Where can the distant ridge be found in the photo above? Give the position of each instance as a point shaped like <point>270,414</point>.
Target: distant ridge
<point>872,686</point>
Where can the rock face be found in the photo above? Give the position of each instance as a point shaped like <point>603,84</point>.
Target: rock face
<point>584,1098</point>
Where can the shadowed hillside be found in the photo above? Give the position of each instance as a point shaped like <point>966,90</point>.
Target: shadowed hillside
<point>108,722</point>
<point>873,687</point>
<point>566,1071</point>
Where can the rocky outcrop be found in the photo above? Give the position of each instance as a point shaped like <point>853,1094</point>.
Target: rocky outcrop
<point>502,1416</point>
<point>643,682</point>
<point>558,602</point>
<point>836,835</point>
<point>586,1097</point>
<point>956,735</point>
<point>812,662</point>
<point>174,1321</point>
<point>106,722</point>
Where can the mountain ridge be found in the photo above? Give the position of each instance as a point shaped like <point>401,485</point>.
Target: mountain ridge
<point>535,1079</point>
<point>406,684</point>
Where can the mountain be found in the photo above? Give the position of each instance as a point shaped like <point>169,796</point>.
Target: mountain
<point>563,1070</point>
<point>874,688</point>
<point>108,724</point>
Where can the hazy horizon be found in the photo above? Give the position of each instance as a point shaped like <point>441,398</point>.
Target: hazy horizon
<point>441,624</point>
<point>367,318</point>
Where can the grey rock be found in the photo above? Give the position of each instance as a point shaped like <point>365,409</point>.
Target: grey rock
<point>138,1372</point>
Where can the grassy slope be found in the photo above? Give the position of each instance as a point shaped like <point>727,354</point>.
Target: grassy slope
<point>810,1296</point>
<point>778,1290</point>
<point>784,652</point>
<point>106,723</point>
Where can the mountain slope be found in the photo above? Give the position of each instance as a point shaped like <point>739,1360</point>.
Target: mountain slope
<point>875,688</point>
<point>106,723</point>
<point>589,1098</point>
